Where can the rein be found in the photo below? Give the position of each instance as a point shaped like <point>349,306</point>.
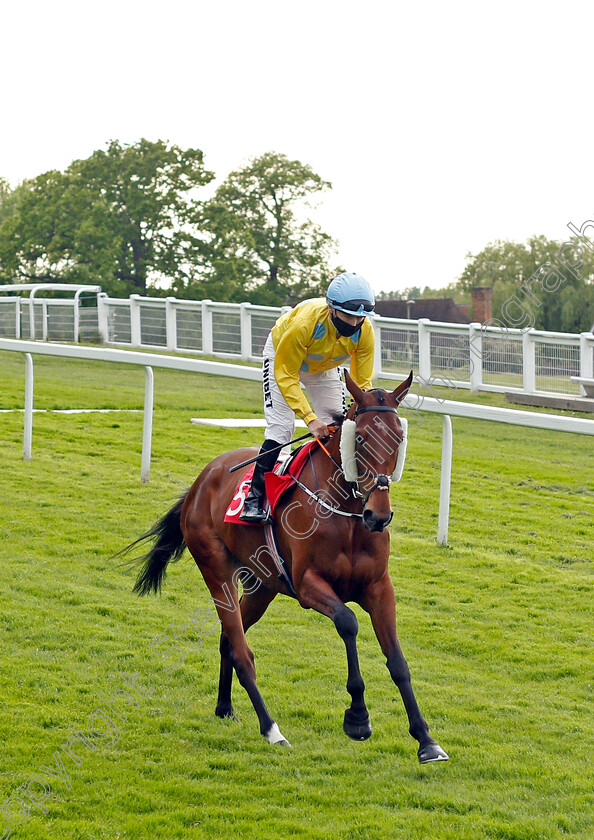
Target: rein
<point>314,495</point>
<point>325,504</point>
<point>382,482</point>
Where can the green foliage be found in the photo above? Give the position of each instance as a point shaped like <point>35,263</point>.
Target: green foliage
<point>223,261</point>
<point>497,630</point>
<point>256,241</point>
<point>129,218</point>
<point>513,268</point>
<point>58,230</point>
<point>6,199</point>
<point>117,218</point>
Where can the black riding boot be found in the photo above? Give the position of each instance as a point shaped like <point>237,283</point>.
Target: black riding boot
<point>253,506</point>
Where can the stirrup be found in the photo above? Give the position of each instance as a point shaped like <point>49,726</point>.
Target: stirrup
<point>254,512</point>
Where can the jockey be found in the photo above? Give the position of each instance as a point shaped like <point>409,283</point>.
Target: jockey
<point>305,347</point>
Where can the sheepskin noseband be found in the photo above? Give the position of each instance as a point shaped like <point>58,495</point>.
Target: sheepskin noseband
<point>347,451</point>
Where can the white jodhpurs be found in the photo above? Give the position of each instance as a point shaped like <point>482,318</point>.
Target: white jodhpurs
<point>325,390</point>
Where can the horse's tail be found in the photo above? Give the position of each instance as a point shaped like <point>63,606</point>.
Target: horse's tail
<point>168,547</point>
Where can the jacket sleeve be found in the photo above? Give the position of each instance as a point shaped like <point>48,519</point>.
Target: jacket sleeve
<point>362,360</point>
<point>289,356</point>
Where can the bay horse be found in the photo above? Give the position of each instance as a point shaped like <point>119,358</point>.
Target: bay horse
<point>332,535</point>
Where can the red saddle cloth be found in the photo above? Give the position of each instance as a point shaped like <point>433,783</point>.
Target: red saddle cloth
<point>276,484</point>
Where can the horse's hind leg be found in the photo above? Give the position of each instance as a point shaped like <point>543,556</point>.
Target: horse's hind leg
<point>225,597</point>
<point>381,604</point>
<point>224,707</point>
<point>252,605</point>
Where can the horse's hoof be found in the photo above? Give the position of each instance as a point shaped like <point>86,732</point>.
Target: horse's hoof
<point>225,712</point>
<point>358,730</point>
<point>276,737</point>
<point>432,752</point>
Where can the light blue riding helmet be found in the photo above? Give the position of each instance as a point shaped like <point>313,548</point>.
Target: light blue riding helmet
<point>352,294</point>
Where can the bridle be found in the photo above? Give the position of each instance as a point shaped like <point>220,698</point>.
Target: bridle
<point>381,481</point>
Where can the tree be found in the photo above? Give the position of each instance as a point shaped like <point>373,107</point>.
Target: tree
<point>119,218</point>
<point>254,238</point>
<point>54,232</point>
<point>537,278</point>
<point>221,264</point>
<point>5,199</point>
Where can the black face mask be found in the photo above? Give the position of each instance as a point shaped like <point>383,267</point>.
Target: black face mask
<point>342,328</point>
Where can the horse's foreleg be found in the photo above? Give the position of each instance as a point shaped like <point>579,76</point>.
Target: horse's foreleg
<point>252,606</point>
<point>316,593</point>
<point>381,604</point>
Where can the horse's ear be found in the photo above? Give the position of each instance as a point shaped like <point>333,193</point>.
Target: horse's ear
<point>352,387</point>
<point>401,391</point>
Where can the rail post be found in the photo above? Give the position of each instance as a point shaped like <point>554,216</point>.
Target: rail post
<point>102,317</point>
<point>207,327</point>
<point>32,315</point>
<point>445,481</point>
<point>245,330</point>
<point>377,352</point>
<point>529,362</point>
<point>28,427</point>
<point>586,358</point>
<point>76,318</point>
<point>135,329</point>
<point>44,321</point>
<point>475,356</point>
<point>170,324</point>
<point>147,425</point>
<point>424,349</point>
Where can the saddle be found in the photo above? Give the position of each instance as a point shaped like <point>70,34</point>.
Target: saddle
<point>283,476</point>
<point>277,482</point>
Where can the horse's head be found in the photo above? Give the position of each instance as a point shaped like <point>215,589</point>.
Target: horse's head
<point>372,437</point>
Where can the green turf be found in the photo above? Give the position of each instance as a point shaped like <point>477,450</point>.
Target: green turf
<point>497,629</point>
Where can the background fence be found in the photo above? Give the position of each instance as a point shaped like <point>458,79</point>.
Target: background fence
<point>462,355</point>
<point>414,402</point>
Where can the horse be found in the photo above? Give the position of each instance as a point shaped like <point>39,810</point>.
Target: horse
<point>333,540</point>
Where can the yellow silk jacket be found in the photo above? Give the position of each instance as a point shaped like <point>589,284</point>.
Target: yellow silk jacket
<point>305,340</point>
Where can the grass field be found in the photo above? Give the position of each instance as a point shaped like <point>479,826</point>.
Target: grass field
<point>497,629</point>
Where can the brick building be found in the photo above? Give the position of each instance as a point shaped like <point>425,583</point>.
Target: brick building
<point>440,309</point>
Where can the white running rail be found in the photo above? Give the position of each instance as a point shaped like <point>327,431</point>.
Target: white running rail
<point>413,402</point>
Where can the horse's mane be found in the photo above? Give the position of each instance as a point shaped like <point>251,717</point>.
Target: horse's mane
<point>338,419</point>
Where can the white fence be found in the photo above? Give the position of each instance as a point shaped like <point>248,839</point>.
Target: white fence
<point>50,319</point>
<point>474,356</point>
<point>413,402</point>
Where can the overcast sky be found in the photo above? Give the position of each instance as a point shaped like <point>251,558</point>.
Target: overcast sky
<point>442,126</point>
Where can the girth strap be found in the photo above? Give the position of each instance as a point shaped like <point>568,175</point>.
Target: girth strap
<point>281,567</point>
